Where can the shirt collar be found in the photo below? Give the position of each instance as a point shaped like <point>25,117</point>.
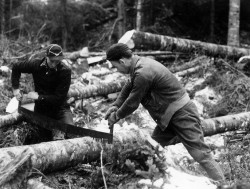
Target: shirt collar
<point>44,63</point>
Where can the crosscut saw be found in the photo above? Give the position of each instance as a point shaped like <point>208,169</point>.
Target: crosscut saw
<point>51,124</point>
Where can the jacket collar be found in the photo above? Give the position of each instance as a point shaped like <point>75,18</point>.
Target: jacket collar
<point>135,59</point>
<point>45,64</point>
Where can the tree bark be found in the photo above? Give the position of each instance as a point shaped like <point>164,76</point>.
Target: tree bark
<point>10,119</point>
<point>233,36</point>
<point>59,155</point>
<point>64,24</point>
<point>139,15</point>
<point>56,155</point>
<point>225,123</point>
<point>2,17</point>
<point>142,40</point>
<point>122,17</point>
<point>97,90</point>
<point>10,14</point>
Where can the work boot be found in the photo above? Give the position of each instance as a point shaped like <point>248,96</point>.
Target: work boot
<point>58,135</point>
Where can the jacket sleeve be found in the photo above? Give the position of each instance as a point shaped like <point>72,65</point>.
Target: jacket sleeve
<point>61,91</point>
<point>123,94</point>
<point>21,67</point>
<point>140,86</point>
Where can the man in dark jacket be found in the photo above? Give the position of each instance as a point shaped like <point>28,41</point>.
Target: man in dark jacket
<point>52,81</point>
<point>166,100</point>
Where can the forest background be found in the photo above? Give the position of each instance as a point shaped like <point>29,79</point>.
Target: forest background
<point>74,24</point>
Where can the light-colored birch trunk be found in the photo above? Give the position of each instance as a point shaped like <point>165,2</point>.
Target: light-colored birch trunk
<point>233,36</point>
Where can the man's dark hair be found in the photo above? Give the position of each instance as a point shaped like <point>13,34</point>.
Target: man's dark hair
<point>118,51</point>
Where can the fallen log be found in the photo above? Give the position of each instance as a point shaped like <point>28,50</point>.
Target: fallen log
<point>142,53</point>
<point>83,53</point>
<point>15,173</point>
<point>225,123</point>
<point>142,40</point>
<point>56,155</point>
<point>193,69</point>
<point>101,89</point>
<point>52,156</point>
<point>10,119</point>
<point>197,61</point>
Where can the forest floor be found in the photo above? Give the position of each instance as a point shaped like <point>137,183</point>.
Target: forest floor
<point>217,90</point>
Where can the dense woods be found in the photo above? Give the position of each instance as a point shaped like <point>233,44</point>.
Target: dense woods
<point>96,24</point>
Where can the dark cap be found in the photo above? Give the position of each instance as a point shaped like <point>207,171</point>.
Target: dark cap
<point>54,50</point>
<point>118,51</point>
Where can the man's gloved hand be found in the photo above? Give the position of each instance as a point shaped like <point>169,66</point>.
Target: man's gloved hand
<point>110,110</point>
<point>17,94</point>
<point>113,118</point>
<point>33,95</point>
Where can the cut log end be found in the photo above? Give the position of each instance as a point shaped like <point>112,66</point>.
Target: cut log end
<point>127,39</point>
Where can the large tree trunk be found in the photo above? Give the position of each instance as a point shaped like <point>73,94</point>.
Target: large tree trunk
<point>121,17</point>
<point>102,89</point>
<point>233,36</point>
<point>51,156</point>
<point>10,14</point>
<point>10,119</point>
<point>64,24</point>
<point>139,15</point>
<point>2,17</point>
<point>58,155</point>
<point>225,123</point>
<point>142,40</point>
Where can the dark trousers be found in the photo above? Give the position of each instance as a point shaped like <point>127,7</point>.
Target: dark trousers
<point>185,126</point>
<point>62,114</point>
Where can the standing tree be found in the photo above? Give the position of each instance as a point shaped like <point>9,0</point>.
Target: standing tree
<point>121,17</point>
<point>64,24</point>
<point>10,13</point>
<point>233,23</point>
<point>212,13</point>
<point>2,17</point>
<point>139,15</point>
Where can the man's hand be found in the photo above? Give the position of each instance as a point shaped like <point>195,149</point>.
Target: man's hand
<point>110,110</point>
<point>33,95</point>
<point>17,94</point>
<point>113,118</point>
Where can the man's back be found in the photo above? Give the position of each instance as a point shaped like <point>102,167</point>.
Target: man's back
<point>164,87</point>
